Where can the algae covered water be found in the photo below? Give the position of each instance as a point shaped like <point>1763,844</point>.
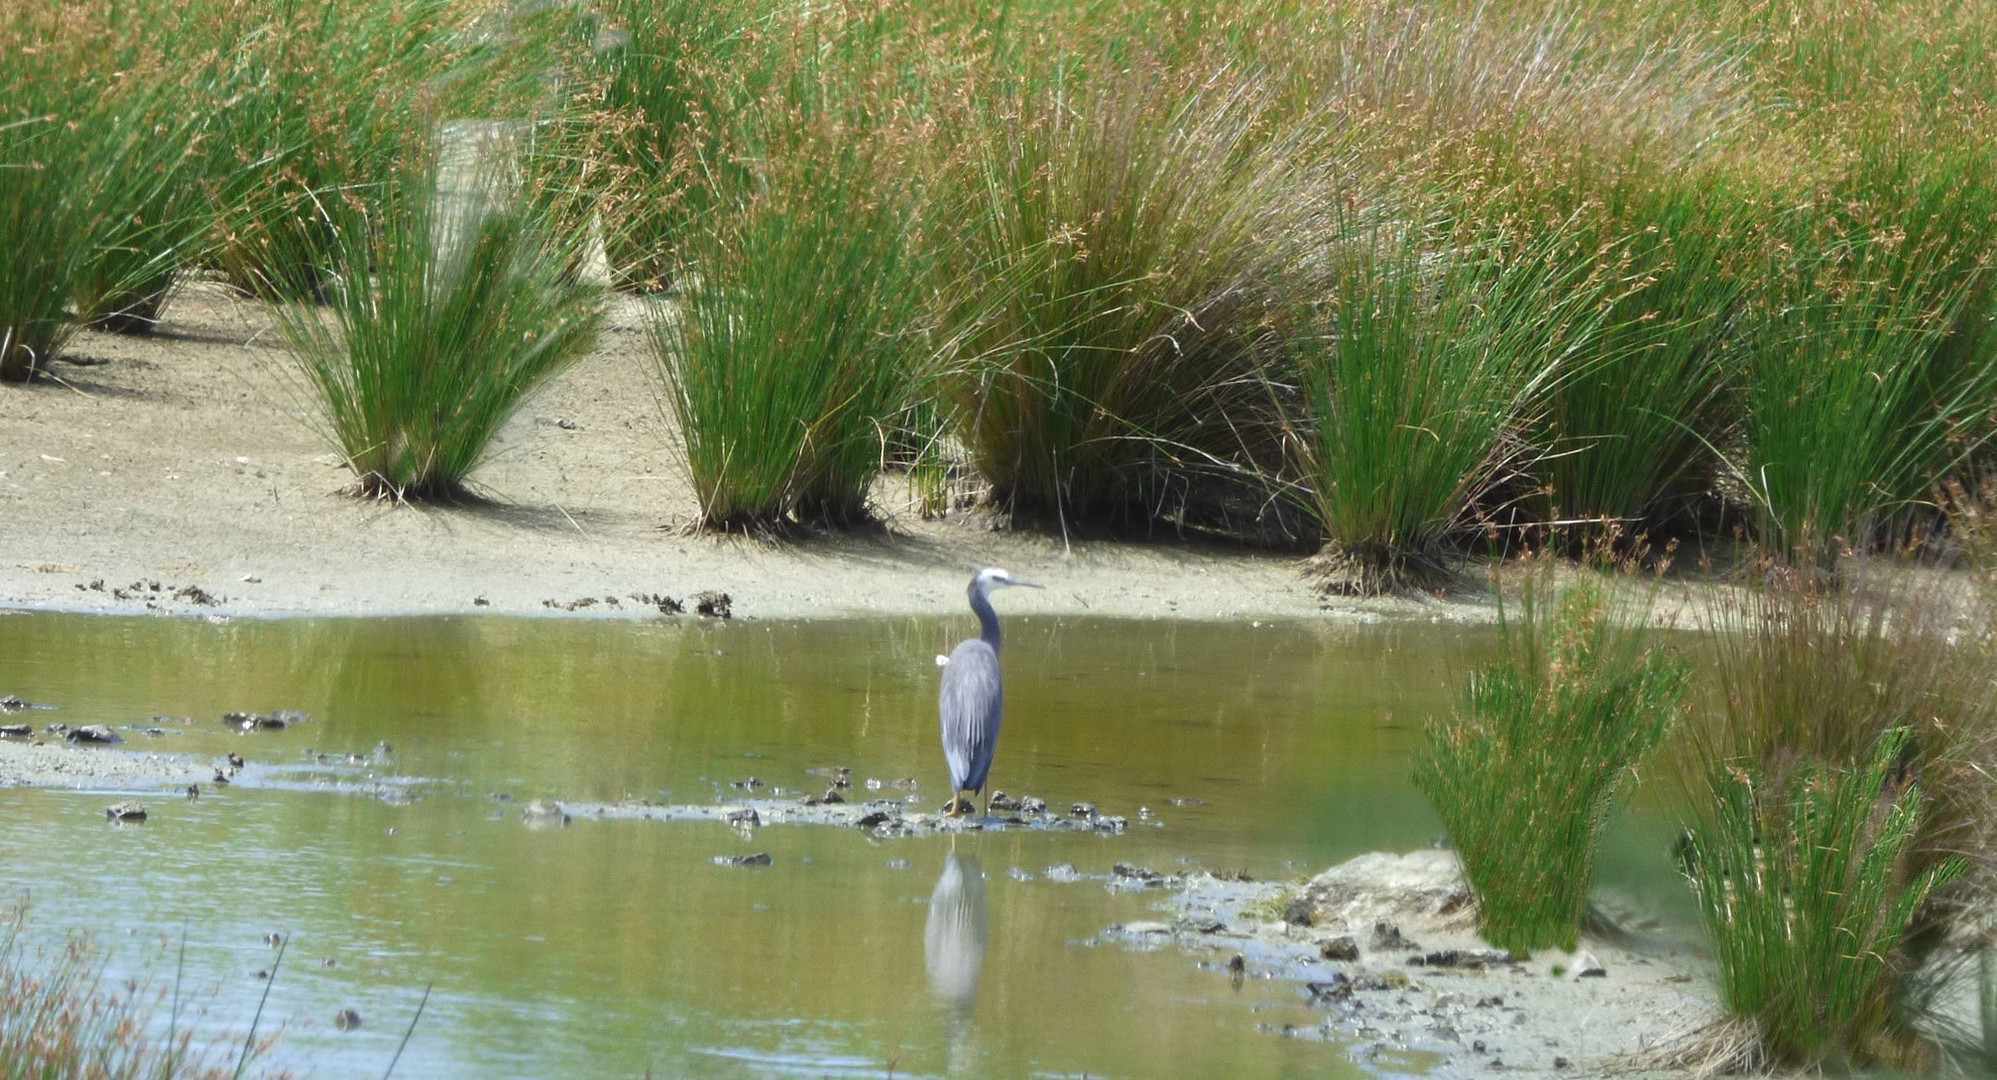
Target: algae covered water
<point>383,839</point>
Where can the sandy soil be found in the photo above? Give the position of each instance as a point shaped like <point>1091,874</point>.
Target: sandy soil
<point>192,459</point>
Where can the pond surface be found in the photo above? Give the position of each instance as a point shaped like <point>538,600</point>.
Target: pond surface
<point>610,948</point>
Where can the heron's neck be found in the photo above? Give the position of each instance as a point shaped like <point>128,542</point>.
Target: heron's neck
<point>981,602</point>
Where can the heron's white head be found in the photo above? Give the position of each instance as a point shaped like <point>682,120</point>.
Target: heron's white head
<point>991,577</point>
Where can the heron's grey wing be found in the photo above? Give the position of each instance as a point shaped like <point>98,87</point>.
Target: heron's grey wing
<point>970,703</point>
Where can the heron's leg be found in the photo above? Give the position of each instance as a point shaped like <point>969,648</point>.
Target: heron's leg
<point>988,802</point>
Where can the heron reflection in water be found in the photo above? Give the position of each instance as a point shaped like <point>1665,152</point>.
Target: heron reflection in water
<point>953,948</point>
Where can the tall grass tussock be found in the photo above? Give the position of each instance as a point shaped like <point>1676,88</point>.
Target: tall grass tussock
<point>446,307</point>
<point>1525,773</point>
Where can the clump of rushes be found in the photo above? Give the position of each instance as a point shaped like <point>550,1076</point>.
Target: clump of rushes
<point>1525,773</point>
<point>668,77</point>
<point>1809,884</point>
<point>1851,415</point>
<point>1631,428</point>
<point>61,1018</point>
<point>448,306</point>
<point>1427,363</point>
<point>799,339</point>
<point>1138,232</point>
<point>85,152</point>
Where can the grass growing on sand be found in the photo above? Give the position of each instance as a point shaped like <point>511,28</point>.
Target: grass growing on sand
<point>446,309</point>
<point>1807,886</point>
<point>1429,360</point>
<point>1525,773</point>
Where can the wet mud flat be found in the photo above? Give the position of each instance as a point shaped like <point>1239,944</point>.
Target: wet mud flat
<point>1386,946</point>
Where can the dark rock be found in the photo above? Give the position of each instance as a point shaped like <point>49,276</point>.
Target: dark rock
<point>1339,948</point>
<point>92,733</point>
<point>1136,877</point>
<point>760,858</point>
<point>1201,924</point>
<point>14,703</point>
<point>1032,805</point>
<point>1298,912</point>
<point>193,792</point>
<point>874,819</point>
<point>1387,937</point>
<point>275,721</point>
<point>750,784</point>
<point>1115,824</point>
<point>347,1020</point>
<point>125,811</point>
<point>221,778</point>
<point>235,760</point>
<point>1467,959</point>
<point>746,818</point>
<point>832,796</point>
<point>1237,969</point>
<point>1560,1063</point>
<point>1082,810</point>
<point>714,605</point>
<point>1001,801</point>
<point>17,731</point>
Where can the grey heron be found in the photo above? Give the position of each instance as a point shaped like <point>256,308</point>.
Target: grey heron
<point>971,698</point>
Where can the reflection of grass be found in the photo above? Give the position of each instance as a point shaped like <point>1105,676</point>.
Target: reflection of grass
<point>60,1021</point>
<point>1805,884</point>
<point>1525,773</point>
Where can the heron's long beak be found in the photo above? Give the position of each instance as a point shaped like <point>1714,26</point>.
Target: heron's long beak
<point>1028,584</point>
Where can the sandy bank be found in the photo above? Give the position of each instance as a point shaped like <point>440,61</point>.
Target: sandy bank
<point>191,460</point>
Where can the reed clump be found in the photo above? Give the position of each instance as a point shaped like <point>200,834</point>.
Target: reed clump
<point>1843,810</point>
<point>1126,247</point>
<point>61,1019</point>
<point>447,304</point>
<point>89,152</point>
<point>1525,773</point>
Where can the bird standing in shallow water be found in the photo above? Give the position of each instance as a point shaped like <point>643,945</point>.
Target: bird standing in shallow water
<point>972,698</point>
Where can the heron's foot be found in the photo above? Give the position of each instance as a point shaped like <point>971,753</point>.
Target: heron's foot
<point>956,807</point>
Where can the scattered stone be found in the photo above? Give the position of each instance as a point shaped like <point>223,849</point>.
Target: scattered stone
<point>1019,875</point>
<point>1560,1063</point>
<point>221,779</point>
<point>195,594</point>
<point>1237,969</point>
<point>17,731</point>
<point>234,759</point>
<point>874,819</point>
<point>1114,824</point>
<point>1065,873</point>
<point>1198,924</point>
<point>542,813</point>
<point>760,858</point>
<point>714,605</point>
<point>832,796</point>
<point>1188,800</point>
<point>667,605</point>
<point>1339,948</point>
<point>1032,805</point>
<point>1587,967</point>
<point>1124,875</point>
<point>125,811</point>
<point>272,940</point>
<point>1001,801</point>
<point>92,733</point>
<point>347,1020</point>
<point>1387,938</point>
<point>1082,810</point>
<point>750,784</point>
<point>16,703</point>
<point>1467,959</point>
<point>193,792</point>
<point>898,864</point>
<point>1145,929</point>
<point>1298,912</point>
<point>744,819</point>
<point>247,722</point>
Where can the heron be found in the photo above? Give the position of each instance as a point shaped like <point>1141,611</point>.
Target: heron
<point>971,698</point>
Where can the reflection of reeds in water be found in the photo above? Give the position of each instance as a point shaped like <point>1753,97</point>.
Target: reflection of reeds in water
<point>953,944</point>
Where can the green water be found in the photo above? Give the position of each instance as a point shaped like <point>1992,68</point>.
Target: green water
<point>611,947</point>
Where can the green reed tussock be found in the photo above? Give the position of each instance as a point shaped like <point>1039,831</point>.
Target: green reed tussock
<point>445,308</point>
<point>1428,363</point>
<point>89,152</point>
<point>1525,773</point>
<point>1136,233</point>
<point>1806,888</point>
